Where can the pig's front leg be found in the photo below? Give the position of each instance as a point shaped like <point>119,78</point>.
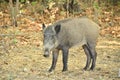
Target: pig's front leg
<point>65,52</point>
<point>55,54</point>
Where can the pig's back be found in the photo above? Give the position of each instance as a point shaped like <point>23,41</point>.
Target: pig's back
<point>78,30</point>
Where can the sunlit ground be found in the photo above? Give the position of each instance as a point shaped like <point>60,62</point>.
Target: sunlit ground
<point>25,60</point>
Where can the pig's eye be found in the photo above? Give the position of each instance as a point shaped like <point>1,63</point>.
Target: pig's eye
<point>52,36</point>
<point>46,36</point>
<point>49,36</point>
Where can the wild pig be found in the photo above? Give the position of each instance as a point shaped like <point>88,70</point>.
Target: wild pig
<point>67,33</point>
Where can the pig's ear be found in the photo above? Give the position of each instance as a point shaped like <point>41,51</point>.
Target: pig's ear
<point>43,26</point>
<point>57,28</point>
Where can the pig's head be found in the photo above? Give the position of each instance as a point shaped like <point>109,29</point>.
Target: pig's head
<point>50,41</point>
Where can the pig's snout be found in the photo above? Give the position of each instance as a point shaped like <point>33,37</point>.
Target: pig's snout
<point>46,53</point>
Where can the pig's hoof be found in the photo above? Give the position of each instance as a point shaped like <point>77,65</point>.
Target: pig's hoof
<point>91,69</point>
<point>50,70</point>
<point>46,56</point>
<point>85,68</point>
<point>64,70</point>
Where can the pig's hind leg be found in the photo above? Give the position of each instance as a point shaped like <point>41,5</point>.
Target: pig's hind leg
<point>88,54</point>
<point>93,54</point>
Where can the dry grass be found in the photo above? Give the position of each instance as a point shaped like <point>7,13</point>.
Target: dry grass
<point>25,60</point>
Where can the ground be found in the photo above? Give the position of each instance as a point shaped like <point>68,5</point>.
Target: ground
<point>25,61</point>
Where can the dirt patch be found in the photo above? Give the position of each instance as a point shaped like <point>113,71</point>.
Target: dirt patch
<point>25,60</point>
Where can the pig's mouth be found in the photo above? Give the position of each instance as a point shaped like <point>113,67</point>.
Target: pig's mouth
<point>48,51</point>
<point>46,54</point>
